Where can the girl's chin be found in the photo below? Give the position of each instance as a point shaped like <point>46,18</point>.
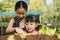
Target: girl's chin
<point>29,31</point>
<point>21,18</point>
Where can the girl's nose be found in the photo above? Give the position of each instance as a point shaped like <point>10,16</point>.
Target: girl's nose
<point>29,25</point>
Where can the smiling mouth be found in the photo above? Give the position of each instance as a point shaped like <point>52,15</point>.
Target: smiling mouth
<point>29,28</point>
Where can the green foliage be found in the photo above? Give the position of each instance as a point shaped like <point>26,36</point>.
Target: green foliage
<point>11,37</point>
<point>5,20</point>
<point>7,5</point>
<point>46,30</point>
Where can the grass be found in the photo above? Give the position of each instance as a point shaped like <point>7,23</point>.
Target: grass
<point>4,23</point>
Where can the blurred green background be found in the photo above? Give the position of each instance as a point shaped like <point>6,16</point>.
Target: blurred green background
<point>47,10</point>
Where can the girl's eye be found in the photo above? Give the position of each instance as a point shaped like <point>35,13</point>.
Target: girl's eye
<point>26,24</point>
<point>31,24</point>
<point>21,13</point>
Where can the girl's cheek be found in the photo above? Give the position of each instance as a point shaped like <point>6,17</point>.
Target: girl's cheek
<point>26,27</point>
<point>33,27</point>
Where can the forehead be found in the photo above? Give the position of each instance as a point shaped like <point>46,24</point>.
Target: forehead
<point>30,22</point>
<point>21,10</point>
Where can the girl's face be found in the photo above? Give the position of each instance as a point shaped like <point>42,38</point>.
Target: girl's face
<point>30,26</point>
<point>21,13</point>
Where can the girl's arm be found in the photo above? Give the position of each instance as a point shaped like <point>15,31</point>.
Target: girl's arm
<point>19,30</point>
<point>21,26</point>
<point>10,26</point>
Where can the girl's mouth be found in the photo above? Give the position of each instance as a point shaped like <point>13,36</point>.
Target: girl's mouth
<point>29,28</point>
<point>21,18</point>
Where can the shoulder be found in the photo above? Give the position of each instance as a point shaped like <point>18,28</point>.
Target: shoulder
<point>12,20</point>
<point>15,18</point>
<point>37,33</point>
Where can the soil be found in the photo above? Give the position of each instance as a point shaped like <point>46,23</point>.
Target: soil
<point>31,37</point>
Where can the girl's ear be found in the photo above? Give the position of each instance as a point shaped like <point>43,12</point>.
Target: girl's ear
<point>37,27</point>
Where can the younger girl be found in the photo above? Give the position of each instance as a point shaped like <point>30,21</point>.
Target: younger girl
<point>31,24</point>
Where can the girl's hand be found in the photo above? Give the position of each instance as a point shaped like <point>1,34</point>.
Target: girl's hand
<point>22,23</point>
<point>19,30</point>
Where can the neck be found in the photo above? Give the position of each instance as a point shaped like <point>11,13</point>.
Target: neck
<point>34,31</point>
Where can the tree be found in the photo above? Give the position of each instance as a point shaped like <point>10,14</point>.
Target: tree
<point>7,5</point>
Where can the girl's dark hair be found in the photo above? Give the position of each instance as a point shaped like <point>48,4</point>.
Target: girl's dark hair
<point>32,18</point>
<point>20,4</point>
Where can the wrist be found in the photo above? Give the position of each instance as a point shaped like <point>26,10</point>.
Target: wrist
<point>14,29</point>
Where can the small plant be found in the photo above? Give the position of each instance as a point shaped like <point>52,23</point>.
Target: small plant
<point>45,30</point>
